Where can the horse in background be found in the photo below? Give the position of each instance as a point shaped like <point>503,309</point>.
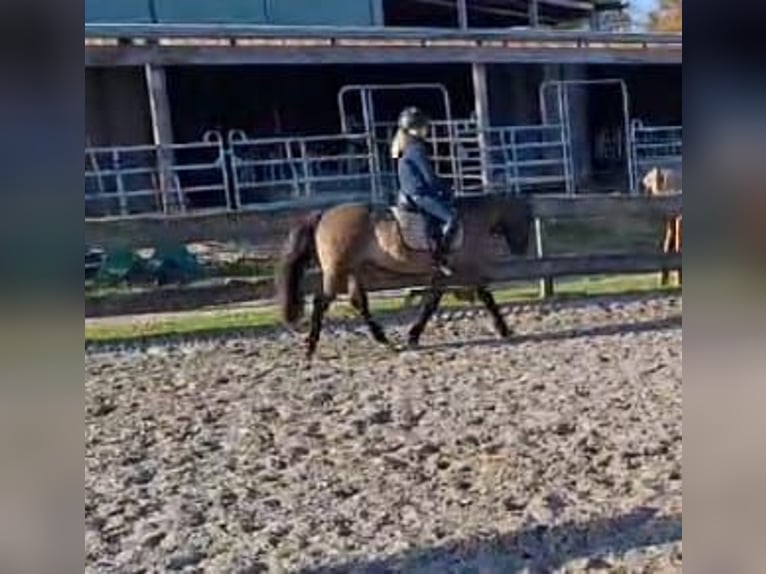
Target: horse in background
<point>658,182</point>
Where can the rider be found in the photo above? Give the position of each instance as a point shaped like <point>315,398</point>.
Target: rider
<point>420,186</point>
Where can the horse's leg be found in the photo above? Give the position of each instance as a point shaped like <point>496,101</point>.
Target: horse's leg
<point>486,297</point>
<point>321,305</point>
<point>666,247</point>
<point>322,302</point>
<point>430,304</point>
<point>360,302</point>
<point>677,243</point>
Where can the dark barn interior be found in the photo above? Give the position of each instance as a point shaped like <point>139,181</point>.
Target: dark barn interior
<point>302,100</point>
<point>272,100</point>
<point>298,100</point>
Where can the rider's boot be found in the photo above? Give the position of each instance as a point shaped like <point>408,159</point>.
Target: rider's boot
<point>443,244</point>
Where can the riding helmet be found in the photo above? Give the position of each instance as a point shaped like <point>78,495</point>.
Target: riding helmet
<point>412,118</point>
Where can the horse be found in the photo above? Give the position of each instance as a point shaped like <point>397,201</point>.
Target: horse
<point>351,239</point>
<point>658,182</point>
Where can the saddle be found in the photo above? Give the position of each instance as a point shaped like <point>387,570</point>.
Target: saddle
<point>418,232</point>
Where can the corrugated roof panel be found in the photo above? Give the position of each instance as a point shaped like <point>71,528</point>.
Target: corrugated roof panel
<point>129,11</point>
<point>325,12</point>
<point>212,11</point>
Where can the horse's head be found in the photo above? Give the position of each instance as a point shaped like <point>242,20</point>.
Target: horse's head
<point>658,181</point>
<point>654,181</point>
<point>513,222</point>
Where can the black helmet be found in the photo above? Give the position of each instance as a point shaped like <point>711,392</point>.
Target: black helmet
<point>412,118</point>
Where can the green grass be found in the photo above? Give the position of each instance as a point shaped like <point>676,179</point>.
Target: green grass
<point>221,321</point>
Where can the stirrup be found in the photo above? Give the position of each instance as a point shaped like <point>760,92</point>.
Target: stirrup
<point>439,262</point>
<point>444,269</point>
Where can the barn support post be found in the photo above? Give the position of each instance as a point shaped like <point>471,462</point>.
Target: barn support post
<point>546,283</point>
<point>462,14</point>
<point>162,134</point>
<point>534,13</point>
<point>481,107</point>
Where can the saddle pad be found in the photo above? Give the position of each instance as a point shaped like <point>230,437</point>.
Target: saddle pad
<point>413,228</point>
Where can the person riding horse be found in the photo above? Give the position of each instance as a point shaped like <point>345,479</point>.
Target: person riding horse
<point>420,187</point>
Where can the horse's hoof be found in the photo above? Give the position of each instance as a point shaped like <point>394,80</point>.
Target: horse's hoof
<point>381,338</point>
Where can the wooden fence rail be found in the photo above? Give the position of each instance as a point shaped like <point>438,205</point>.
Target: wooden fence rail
<point>268,227</point>
<point>187,298</point>
<point>267,230</point>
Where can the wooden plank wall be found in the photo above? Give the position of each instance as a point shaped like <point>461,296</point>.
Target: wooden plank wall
<point>269,230</point>
<point>268,227</point>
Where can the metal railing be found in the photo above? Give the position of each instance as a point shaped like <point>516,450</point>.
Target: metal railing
<point>654,146</point>
<point>446,138</point>
<point>124,182</point>
<point>270,171</point>
<point>520,158</point>
<point>241,173</point>
<point>528,159</point>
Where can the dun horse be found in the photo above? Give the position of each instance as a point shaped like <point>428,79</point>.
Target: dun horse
<point>658,182</point>
<point>350,240</point>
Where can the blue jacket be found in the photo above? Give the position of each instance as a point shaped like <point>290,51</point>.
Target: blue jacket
<point>416,174</point>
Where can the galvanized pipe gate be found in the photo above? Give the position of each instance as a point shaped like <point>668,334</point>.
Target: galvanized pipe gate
<point>234,172</point>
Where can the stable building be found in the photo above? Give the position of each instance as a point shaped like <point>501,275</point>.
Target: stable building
<point>255,84</point>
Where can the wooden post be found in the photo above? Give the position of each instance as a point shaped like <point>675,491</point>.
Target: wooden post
<point>546,283</point>
<point>462,14</point>
<point>162,133</point>
<point>481,106</point>
<point>534,13</point>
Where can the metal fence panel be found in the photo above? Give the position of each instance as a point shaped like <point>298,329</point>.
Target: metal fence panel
<point>241,173</point>
<point>269,171</point>
<point>528,159</point>
<point>126,181</point>
<point>654,146</point>
<point>454,151</point>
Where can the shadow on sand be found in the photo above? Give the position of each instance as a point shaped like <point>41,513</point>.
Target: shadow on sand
<point>535,549</point>
<point>573,333</point>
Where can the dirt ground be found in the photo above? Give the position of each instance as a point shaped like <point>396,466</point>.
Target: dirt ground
<point>558,451</point>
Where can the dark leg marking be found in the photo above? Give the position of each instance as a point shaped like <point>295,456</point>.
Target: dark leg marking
<point>361,303</point>
<point>321,304</point>
<point>486,297</point>
<point>430,305</point>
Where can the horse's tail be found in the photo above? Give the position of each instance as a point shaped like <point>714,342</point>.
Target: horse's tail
<point>297,255</point>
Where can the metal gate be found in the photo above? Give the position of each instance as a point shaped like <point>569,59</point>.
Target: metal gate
<point>614,144</point>
<point>527,158</point>
<point>124,182</point>
<point>654,146</point>
<point>380,130</point>
<point>269,172</point>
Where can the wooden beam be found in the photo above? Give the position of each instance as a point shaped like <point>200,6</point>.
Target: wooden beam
<point>269,228</point>
<point>162,132</point>
<point>134,55</point>
<point>239,291</point>
<point>534,13</point>
<point>335,33</point>
<point>462,14</point>
<point>530,269</point>
<point>608,206</point>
